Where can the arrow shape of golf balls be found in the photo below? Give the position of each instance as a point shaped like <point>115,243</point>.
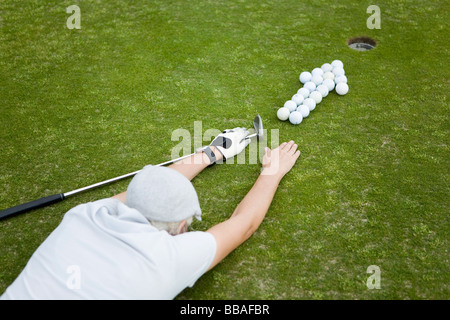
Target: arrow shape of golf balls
<point>317,84</point>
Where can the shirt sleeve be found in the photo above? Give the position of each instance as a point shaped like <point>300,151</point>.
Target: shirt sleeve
<point>196,253</point>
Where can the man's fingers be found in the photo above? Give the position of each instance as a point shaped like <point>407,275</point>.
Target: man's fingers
<point>242,144</point>
<point>243,133</point>
<point>288,146</point>
<point>293,148</point>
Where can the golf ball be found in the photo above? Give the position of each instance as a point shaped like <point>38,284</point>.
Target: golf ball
<point>338,71</point>
<point>328,75</point>
<point>341,78</point>
<point>295,117</point>
<point>310,103</point>
<point>317,79</point>
<point>290,105</point>
<point>304,92</point>
<point>316,96</point>
<point>304,110</point>
<point>311,86</point>
<point>323,89</point>
<point>329,83</point>
<point>326,67</point>
<point>341,88</point>
<point>337,63</point>
<point>317,72</point>
<point>283,113</point>
<point>305,77</point>
<point>298,98</point>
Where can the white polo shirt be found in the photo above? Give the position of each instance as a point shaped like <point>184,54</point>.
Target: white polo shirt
<point>106,250</point>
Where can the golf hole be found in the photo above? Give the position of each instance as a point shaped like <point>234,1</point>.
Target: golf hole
<point>362,43</point>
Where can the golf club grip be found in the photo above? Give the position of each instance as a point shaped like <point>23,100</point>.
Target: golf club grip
<point>25,207</point>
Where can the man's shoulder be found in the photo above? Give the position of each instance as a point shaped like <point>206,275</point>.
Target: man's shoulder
<point>108,203</point>
<point>197,239</point>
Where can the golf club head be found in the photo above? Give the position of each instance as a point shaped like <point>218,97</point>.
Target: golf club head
<point>258,125</point>
<point>259,130</point>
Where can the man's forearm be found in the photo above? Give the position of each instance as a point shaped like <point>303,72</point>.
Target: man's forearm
<point>257,201</point>
<point>193,165</point>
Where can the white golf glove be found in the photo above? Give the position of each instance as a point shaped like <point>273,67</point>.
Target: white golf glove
<point>231,142</point>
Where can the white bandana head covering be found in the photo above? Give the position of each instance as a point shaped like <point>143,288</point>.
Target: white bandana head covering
<point>163,194</point>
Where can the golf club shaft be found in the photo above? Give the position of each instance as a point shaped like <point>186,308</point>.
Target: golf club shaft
<point>70,193</point>
<point>46,201</point>
<point>99,184</point>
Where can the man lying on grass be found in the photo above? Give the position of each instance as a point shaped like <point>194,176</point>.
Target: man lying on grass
<point>135,245</point>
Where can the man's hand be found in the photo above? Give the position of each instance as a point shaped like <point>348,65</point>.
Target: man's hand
<point>231,142</point>
<point>280,161</point>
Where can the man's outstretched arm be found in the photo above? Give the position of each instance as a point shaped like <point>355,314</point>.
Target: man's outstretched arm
<point>249,214</point>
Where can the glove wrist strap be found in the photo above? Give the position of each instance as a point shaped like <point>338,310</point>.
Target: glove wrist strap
<point>211,155</point>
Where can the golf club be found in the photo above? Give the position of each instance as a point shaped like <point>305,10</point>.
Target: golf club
<point>49,200</point>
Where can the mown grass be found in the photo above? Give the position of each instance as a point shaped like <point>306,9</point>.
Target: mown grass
<point>371,186</point>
